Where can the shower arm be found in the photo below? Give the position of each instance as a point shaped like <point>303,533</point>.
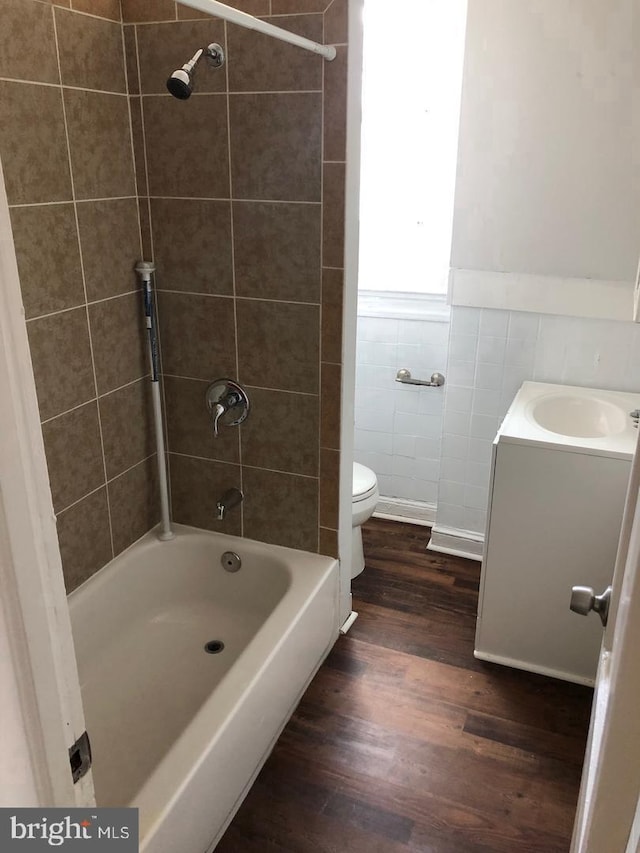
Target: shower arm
<point>191,64</point>
<point>235,16</point>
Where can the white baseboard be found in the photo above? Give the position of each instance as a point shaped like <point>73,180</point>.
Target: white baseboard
<point>414,512</point>
<point>514,663</point>
<point>459,543</point>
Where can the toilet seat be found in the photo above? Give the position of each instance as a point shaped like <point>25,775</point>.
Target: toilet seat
<point>364,499</point>
<point>364,482</point>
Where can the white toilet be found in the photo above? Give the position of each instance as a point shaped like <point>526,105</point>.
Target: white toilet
<point>365,499</point>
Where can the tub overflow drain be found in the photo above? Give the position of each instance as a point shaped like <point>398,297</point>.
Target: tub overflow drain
<point>213,647</point>
<point>231,562</point>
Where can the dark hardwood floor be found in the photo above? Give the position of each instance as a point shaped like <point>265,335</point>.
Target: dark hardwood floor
<point>405,742</point>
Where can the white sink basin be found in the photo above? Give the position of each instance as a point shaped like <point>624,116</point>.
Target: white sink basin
<point>583,416</point>
<point>585,420</point>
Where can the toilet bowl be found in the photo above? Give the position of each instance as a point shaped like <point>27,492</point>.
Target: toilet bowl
<point>364,501</point>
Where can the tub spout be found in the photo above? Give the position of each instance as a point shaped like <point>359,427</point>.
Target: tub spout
<point>232,497</point>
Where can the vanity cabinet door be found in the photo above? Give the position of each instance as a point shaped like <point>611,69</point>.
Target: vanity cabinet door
<point>554,523</point>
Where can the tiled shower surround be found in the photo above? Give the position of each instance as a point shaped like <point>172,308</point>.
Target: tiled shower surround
<point>237,194</point>
<point>236,183</point>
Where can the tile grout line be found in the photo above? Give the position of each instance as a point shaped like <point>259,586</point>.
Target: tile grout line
<point>63,86</point>
<point>131,467</point>
<point>205,458</point>
<point>143,130</point>
<point>126,385</point>
<point>163,396</point>
<point>249,385</point>
<point>70,201</point>
<point>474,389</point>
<point>68,411</point>
<point>84,282</point>
<point>81,305</point>
<point>94,399</point>
<point>59,512</point>
<point>320,311</point>
<point>221,200</point>
<point>194,94</point>
<point>231,296</point>
<point>233,262</point>
<point>205,17</point>
<point>105,485</point>
<point>133,150</point>
<point>237,465</point>
<point>84,14</point>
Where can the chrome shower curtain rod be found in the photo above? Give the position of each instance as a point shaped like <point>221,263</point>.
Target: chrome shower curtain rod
<point>227,13</point>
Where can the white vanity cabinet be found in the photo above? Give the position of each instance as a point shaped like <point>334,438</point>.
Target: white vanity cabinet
<point>556,504</point>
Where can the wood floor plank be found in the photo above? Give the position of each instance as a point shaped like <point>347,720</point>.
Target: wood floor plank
<point>507,693</point>
<point>356,812</point>
<point>404,742</point>
<point>433,635</point>
<point>531,739</point>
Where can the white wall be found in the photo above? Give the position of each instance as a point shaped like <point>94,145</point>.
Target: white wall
<point>546,180</point>
<point>398,427</point>
<point>547,200</point>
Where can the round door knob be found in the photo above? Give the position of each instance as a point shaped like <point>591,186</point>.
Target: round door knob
<point>584,599</point>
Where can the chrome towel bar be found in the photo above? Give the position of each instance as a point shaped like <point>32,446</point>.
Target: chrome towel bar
<point>404,376</point>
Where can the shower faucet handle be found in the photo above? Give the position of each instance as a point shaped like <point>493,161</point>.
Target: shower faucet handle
<point>218,412</point>
<point>228,403</point>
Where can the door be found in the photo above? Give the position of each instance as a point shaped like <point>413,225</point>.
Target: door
<point>38,677</point>
<point>611,775</point>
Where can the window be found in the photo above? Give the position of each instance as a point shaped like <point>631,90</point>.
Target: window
<point>412,79</point>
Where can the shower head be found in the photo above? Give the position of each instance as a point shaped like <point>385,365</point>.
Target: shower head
<point>180,84</point>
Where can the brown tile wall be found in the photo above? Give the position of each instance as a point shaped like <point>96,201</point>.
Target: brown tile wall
<point>238,194</point>
<point>65,144</point>
<point>245,186</point>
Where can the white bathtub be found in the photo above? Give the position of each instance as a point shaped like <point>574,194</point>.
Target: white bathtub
<point>176,731</point>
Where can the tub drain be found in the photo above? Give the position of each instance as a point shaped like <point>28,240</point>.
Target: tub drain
<point>213,647</point>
